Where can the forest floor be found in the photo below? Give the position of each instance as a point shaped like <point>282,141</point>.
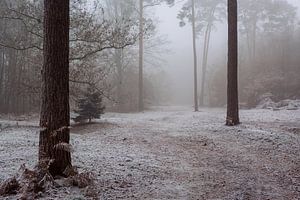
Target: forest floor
<point>173,153</point>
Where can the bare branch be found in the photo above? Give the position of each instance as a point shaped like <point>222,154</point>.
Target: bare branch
<point>21,48</point>
<point>94,86</point>
<point>25,15</point>
<point>99,50</point>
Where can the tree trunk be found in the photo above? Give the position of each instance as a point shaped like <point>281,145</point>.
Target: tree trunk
<point>118,56</point>
<point>254,41</point>
<point>55,115</point>
<point>205,55</point>
<point>10,81</point>
<point>232,87</point>
<point>195,59</point>
<point>1,76</point>
<point>119,65</point>
<point>141,57</point>
<point>19,96</point>
<point>204,63</point>
<point>5,85</point>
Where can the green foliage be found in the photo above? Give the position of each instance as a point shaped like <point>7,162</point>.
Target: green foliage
<point>90,106</point>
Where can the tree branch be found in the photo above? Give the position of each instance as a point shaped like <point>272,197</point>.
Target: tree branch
<point>21,48</point>
<point>94,86</point>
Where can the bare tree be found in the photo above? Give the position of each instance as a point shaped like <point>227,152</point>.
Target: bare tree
<point>232,76</point>
<point>55,115</point>
<point>206,14</point>
<point>93,33</point>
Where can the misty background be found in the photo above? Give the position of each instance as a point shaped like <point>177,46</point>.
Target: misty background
<point>105,53</point>
<point>179,62</point>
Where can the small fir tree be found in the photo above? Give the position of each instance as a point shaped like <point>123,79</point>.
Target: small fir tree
<point>89,106</point>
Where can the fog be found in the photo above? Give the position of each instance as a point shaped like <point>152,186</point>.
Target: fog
<point>149,99</point>
<point>139,58</point>
<point>180,62</point>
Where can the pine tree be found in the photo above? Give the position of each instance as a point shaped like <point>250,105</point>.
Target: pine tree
<point>90,106</point>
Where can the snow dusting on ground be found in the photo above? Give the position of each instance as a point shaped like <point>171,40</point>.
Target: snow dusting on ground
<point>173,153</point>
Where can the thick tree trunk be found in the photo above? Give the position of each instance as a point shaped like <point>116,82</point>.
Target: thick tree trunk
<point>141,57</point>
<point>195,59</point>
<point>55,116</point>
<point>232,87</point>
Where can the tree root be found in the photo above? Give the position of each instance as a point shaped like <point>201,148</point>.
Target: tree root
<point>31,184</point>
<point>10,186</point>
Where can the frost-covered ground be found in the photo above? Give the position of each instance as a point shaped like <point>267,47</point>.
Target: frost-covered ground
<point>173,153</point>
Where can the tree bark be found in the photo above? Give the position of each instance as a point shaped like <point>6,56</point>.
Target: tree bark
<point>232,87</point>
<point>195,59</point>
<point>141,57</point>
<point>55,112</point>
